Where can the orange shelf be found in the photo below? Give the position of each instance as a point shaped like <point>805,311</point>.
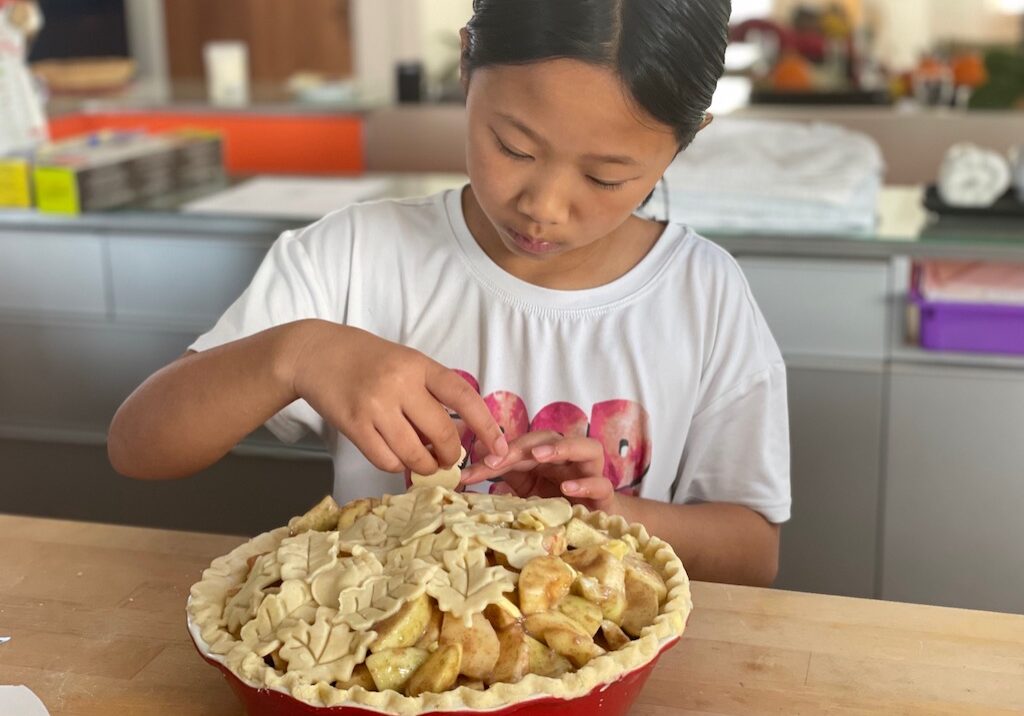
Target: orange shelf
<point>253,143</point>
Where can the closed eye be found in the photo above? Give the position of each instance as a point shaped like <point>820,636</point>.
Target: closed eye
<point>508,151</point>
<point>611,185</point>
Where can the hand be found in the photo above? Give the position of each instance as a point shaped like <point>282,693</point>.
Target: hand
<point>389,399</point>
<point>548,465</point>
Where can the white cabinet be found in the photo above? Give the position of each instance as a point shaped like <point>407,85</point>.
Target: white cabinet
<point>954,495</point>
<point>52,272</point>
<point>830,544</point>
<point>823,307</point>
<point>184,281</point>
<point>830,318</point>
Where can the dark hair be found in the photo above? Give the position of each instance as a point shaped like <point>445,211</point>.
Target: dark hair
<point>669,53</point>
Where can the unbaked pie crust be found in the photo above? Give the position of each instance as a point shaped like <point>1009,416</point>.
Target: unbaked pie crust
<point>310,595</point>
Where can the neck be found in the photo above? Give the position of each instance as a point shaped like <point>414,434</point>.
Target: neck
<point>590,266</point>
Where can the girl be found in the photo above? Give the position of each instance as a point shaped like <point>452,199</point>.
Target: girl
<point>532,317</point>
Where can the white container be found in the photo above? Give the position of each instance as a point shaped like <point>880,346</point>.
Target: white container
<point>1017,162</point>
<point>227,72</point>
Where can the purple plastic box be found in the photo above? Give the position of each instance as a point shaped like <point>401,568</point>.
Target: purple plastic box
<point>970,327</point>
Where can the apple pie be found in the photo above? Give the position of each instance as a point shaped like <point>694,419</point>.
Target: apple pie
<point>441,600</point>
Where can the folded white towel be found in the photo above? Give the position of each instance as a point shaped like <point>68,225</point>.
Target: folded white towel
<point>774,176</point>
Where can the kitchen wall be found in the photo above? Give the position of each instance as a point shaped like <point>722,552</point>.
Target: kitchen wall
<point>906,28</point>
<point>387,31</point>
<point>399,30</point>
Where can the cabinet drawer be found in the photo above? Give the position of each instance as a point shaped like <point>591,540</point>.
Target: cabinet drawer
<point>184,281</point>
<point>954,487</point>
<point>52,273</point>
<point>833,308</point>
<point>75,376</point>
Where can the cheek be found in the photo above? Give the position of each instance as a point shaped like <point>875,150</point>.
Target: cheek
<point>609,209</point>
<point>493,180</point>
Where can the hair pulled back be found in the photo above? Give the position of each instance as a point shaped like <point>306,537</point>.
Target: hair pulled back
<point>669,54</point>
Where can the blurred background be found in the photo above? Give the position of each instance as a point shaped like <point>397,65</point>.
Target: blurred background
<point>866,168</point>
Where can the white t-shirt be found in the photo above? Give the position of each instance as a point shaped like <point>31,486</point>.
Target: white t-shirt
<point>670,366</point>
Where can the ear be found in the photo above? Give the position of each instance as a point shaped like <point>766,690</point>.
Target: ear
<point>708,119</point>
<point>463,54</point>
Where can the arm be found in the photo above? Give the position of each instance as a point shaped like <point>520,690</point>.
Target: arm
<point>189,414</point>
<point>716,541</point>
<point>381,395</point>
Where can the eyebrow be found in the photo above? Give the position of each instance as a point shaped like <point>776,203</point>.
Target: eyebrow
<point>605,158</point>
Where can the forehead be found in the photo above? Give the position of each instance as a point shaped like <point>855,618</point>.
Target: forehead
<point>573,105</point>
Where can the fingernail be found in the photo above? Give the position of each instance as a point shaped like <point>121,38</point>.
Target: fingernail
<point>570,486</point>
<point>493,460</point>
<point>501,445</point>
<point>543,451</point>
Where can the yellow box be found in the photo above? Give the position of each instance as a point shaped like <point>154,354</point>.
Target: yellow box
<point>15,183</point>
<point>57,190</point>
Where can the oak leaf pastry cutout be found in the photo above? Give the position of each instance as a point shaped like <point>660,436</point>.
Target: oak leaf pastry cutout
<point>277,612</point>
<point>380,596</point>
<point>326,650</point>
<point>347,573</point>
<point>466,585</point>
<point>308,554</point>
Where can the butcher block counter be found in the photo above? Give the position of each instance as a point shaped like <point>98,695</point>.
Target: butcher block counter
<point>96,616</point>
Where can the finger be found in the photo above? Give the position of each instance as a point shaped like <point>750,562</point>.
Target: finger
<point>453,391</point>
<point>519,457</point>
<point>404,443</point>
<point>375,449</point>
<point>588,488</point>
<point>586,453</point>
<point>522,448</point>
<point>522,483</point>
<point>432,422</point>
<point>480,472</point>
<point>558,473</point>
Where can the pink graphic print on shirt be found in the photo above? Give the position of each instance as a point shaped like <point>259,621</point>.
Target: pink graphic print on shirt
<point>621,426</point>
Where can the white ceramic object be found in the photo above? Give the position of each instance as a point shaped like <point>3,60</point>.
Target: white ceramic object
<point>227,72</point>
<point>1017,161</point>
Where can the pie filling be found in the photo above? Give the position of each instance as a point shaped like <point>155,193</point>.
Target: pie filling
<point>434,600</point>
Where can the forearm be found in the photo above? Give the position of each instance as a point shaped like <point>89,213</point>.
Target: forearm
<point>189,414</point>
<point>717,542</point>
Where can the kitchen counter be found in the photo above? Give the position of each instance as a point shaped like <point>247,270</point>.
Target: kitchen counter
<point>97,619</point>
<point>904,228</point>
<point>164,216</point>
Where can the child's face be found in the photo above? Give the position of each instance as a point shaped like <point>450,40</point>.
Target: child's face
<point>559,156</point>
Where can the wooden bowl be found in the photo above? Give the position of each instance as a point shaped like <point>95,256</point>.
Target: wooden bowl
<point>85,75</point>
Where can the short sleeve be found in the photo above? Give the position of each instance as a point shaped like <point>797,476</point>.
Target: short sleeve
<point>301,277</point>
<point>738,449</point>
<point>737,446</point>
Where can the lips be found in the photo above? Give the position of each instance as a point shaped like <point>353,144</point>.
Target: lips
<point>530,245</point>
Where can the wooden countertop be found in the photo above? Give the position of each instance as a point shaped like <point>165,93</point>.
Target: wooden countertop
<point>97,619</point>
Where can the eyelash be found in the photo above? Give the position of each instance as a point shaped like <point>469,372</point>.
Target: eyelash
<point>508,152</point>
<point>607,186</point>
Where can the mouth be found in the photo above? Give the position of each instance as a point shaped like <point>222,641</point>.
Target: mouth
<point>537,247</point>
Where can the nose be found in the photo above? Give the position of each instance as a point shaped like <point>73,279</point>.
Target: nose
<point>544,202</point>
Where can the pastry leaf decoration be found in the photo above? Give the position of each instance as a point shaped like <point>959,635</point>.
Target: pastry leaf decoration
<point>467,585</point>
<point>292,604</point>
<point>380,596</point>
<point>347,573</point>
<point>325,650</point>
<point>307,554</point>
